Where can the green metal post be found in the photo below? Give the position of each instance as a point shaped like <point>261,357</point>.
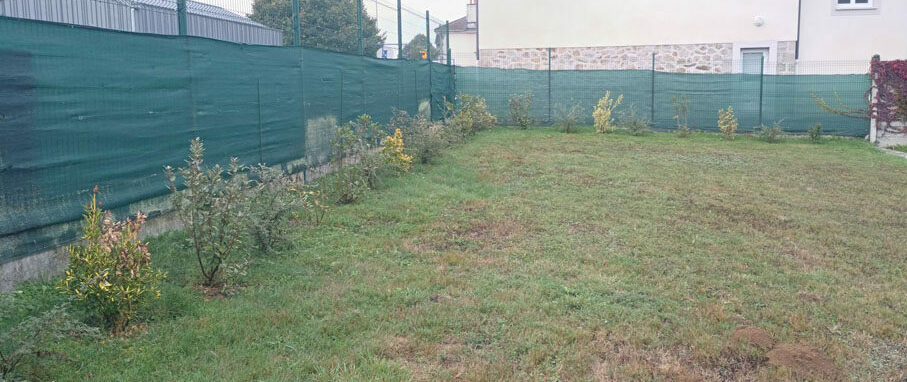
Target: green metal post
<point>653,90</point>
<point>341,95</point>
<point>761,80</point>
<point>451,76</point>
<point>431,94</point>
<point>359,19</point>
<point>260,154</point>
<point>447,40</point>
<point>297,38</point>
<point>399,32</point>
<point>550,120</point>
<point>181,17</point>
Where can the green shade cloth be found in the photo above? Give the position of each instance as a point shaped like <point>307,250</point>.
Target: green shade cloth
<point>81,107</point>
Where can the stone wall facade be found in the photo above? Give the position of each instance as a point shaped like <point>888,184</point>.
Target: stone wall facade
<point>687,58</point>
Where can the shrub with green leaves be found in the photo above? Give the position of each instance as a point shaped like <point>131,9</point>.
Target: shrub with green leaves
<point>568,118</point>
<point>770,134</point>
<point>212,206</point>
<point>471,115</point>
<point>367,139</point>
<point>727,123</point>
<point>604,110</point>
<point>424,140</point>
<point>635,124</point>
<point>110,273</point>
<point>521,109</point>
<point>36,336</point>
<point>274,200</point>
<point>815,133</point>
<point>681,106</point>
<point>350,179</point>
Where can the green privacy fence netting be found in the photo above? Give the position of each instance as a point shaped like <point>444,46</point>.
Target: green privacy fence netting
<point>81,107</point>
<point>767,98</point>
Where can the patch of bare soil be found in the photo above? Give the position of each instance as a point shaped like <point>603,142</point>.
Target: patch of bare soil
<point>759,338</point>
<point>805,362</point>
<point>618,359</point>
<point>427,361</point>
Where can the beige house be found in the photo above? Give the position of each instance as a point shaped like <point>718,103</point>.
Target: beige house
<point>463,33</point>
<point>695,36</point>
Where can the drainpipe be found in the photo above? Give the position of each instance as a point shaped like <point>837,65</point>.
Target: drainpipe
<point>799,12</point>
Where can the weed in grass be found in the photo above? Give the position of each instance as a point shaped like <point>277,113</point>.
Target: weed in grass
<point>769,134</point>
<point>635,124</point>
<point>681,106</point>
<point>568,118</point>
<point>815,133</point>
<point>34,338</point>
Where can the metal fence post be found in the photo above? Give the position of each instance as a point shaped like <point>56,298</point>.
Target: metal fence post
<point>399,32</point>
<point>653,90</point>
<point>550,120</point>
<point>260,154</point>
<point>761,80</point>
<point>447,40</point>
<point>181,17</point>
<point>341,96</point>
<point>431,94</point>
<point>297,38</point>
<point>359,19</point>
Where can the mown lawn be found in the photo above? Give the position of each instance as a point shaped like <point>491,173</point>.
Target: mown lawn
<point>537,255</point>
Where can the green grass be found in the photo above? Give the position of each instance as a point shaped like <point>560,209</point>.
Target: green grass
<point>901,148</point>
<point>537,255</point>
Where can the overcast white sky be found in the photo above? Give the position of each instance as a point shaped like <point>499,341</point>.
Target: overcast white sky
<point>440,9</point>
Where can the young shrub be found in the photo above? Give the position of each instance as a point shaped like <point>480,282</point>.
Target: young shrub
<point>604,123</point>
<point>393,152</point>
<point>815,133</point>
<point>314,206</point>
<point>568,118</point>
<point>472,115</point>
<point>635,124</point>
<point>727,123</point>
<point>349,181</point>
<point>681,107</point>
<point>770,134</point>
<point>423,143</point>
<point>110,274</point>
<point>367,140</point>
<point>274,199</point>
<point>36,336</point>
<point>521,109</point>
<point>212,208</point>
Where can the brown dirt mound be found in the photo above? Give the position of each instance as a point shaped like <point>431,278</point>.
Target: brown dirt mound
<point>755,336</point>
<point>805,362</point>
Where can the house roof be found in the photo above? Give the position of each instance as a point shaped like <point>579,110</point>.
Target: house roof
<point>201,9</point>
<point>458,25</point>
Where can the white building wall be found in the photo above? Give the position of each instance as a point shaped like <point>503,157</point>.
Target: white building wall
<point>830,34</point>
<point>463,48</point>
<point>508,24</point>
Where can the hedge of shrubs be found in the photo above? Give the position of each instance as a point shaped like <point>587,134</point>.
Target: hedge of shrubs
<point>230,216</point>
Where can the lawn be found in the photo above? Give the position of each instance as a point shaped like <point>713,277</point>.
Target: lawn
<point>538,255</point>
